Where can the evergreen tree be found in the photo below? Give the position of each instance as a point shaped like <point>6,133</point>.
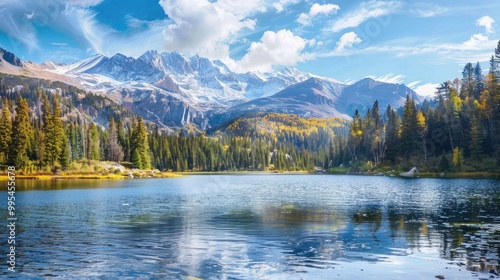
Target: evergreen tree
<point>5,132</point>
<point>468,81</point>
<point>65,157</point>
<point>140,147</point>
<point>479,81</point>
<point>391,134</point>
<point>476,135</point>
<point>93,140</point>
<point>409,132</point>
<point>53,133</point>
<point>21,134</point>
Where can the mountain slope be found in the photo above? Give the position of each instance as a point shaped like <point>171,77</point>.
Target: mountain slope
<point>314,97</point>
<point>362,94</point>
<point>323,98</point>
<point>174,91</point>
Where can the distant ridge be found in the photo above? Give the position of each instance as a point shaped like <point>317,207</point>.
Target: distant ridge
<point>173,90</point>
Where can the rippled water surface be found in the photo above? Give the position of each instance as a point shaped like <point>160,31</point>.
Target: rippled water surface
<point>259,227</point>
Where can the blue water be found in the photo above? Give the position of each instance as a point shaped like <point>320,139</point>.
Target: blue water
<point>258,227</point>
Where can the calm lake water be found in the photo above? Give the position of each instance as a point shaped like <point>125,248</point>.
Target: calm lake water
<point>258,227</point>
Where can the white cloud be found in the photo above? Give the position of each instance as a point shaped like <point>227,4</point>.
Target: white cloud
<point>274,48</point>
<point>347,40</point>
<point>204,27</point>
<point>84,3</point>
<point>317,9</point>
<point>428,89</point>
<point>487,22</point>
<point>365,11</point>
<point>477,48</point>
<point>427,9</point>
<point>281,5</point>
<point>389,78</point>
<point>73,18</point>
<point>59,44</point>
<point>476,42</point>
<point>326,9</point>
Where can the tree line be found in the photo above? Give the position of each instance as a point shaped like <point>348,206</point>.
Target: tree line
<point>50,126</point>
<point>457,131</point>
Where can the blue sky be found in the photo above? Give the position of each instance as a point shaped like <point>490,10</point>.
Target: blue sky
<point>419,43</point>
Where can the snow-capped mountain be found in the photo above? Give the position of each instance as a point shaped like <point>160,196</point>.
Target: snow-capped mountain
<point>197,79</point>
<point>173,90</point>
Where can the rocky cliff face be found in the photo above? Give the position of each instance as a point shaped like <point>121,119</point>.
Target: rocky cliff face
<point>10,58</point>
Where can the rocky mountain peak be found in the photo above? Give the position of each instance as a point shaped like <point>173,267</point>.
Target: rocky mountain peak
<point>10,58</point>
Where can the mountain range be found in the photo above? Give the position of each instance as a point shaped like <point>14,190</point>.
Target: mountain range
<point>173,90</point>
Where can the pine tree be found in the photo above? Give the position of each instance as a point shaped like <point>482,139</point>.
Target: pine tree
<point>476,135</point>
<point>53,132</point>
<point>468,81</point>
<point>391,134</point>
<point>5,132</point>
<point>409,132</point>
<point>140,147</point>
<point>93,142</point>
<point>65,157</point>
<point>479,81</point>
<point>21,134</point>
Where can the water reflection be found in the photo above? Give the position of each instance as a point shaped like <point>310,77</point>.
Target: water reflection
<point>258,227</point>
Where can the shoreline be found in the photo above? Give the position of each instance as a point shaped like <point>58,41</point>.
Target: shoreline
<point>45,177</point>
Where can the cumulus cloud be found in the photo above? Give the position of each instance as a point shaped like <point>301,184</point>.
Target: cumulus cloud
<point>205,27</point>
<point>274,48</point>
<point>363,12</point>
<point>281,4</point>
<point>317,9</point>
<point>487,22</point>
<point>476,42</point>
<point>347,40</point>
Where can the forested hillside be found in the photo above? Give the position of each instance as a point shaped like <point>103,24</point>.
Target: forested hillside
<point>49,126</point>
<point>460,132</point>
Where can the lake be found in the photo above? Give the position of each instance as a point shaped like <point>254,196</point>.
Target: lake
<point>258,226</point>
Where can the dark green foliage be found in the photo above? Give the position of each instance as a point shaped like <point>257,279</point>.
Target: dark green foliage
<point>140,145</point>
<point>5,132</point>
<point>444,164</point>
<point>21,135</point>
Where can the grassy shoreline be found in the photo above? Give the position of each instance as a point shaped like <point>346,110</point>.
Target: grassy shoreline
<point>86,176</point>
